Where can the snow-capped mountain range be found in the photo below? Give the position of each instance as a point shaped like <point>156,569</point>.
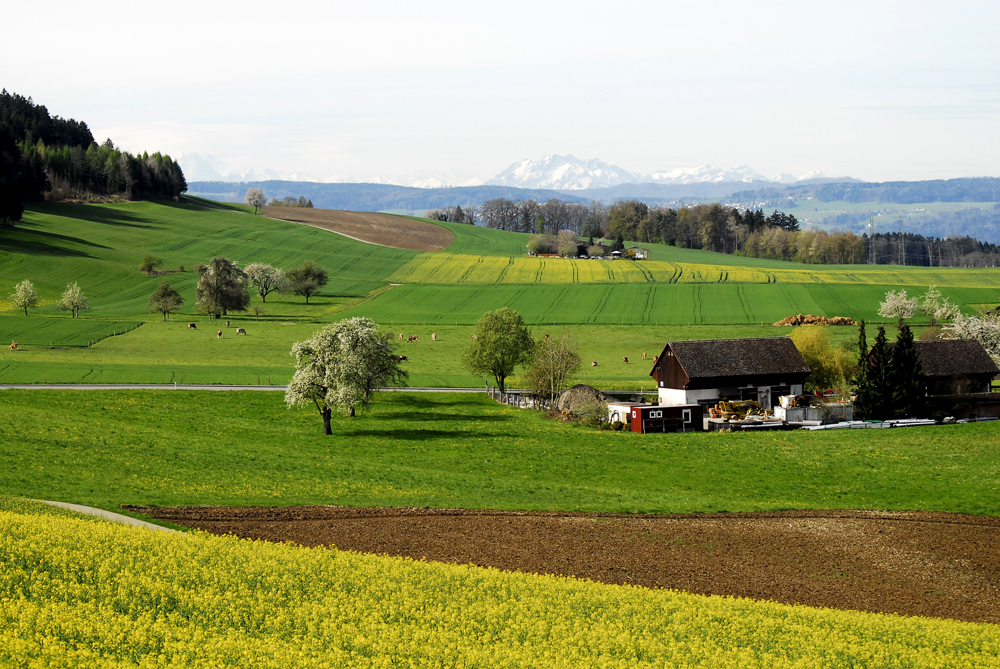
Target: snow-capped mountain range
<point>551,172</point>
<point>570,173</point>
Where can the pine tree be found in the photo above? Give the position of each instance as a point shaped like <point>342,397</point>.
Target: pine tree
<point>863,399</point>
<point>880,378</point>
<point>908,385</point>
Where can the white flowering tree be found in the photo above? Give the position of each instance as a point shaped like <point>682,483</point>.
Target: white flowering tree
<point>73,300</point>
<point>897,305</point>
<point>266,279</point>
<point>255,198</point>
<point>343,365</point>
<point>24,296</point>
<point>937,307</point>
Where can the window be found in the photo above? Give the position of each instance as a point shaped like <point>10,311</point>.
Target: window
<point>686,415</point>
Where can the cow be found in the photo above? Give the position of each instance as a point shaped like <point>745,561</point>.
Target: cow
<point>625,359</point>
<point>434,336</point>
<point>240,331</point>
<point>192,326</point>
<point>473,337</point>
<point>402,358</point>
<point>227,324</point>
<point>400,336</point>
<point>643,355</point>
<point>593,364</point>
<point>13,346</point>
<point>413,338</point>
<point>219,334</point>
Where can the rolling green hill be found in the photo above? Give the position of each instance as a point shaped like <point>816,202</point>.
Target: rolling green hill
<point>676,294</point>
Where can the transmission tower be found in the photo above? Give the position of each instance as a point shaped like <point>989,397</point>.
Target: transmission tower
<point>871,241</point>
<point>902,244</point>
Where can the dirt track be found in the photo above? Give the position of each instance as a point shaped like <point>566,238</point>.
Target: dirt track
<point>384,229</point>
<point>927,564</point>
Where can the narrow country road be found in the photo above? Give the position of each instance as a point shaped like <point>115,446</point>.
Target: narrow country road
<point>194,386</point>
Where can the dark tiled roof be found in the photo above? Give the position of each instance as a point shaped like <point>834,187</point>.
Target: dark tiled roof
<point>955,357</point>
<point>708,358</point>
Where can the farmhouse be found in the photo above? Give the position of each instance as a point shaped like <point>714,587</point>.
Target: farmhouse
<point>705,371</point>
<point>955,366</point>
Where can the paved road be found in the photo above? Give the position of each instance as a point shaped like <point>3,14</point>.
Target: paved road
<point>106,515</point>
<point>192,386</point>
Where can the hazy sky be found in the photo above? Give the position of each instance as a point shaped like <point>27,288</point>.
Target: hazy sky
<point>408,90</point>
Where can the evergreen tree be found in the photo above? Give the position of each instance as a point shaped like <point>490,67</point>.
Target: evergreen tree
<point>863,398</point>
<point>909,388</point>
<point>880,378</point>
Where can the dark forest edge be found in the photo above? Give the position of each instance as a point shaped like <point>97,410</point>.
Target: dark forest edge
<point>44,157</point>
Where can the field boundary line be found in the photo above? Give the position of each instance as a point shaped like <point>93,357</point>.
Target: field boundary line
<point>105,515</point>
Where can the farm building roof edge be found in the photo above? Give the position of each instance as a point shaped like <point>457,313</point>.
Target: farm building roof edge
<point>748,356</point>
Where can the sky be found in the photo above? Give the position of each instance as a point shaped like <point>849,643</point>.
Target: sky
<point>406,91</point>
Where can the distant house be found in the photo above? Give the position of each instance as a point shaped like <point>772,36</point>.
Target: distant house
<point>955,366</point>
<point>705,371</point>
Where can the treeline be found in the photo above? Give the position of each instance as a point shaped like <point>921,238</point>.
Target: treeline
<point>723,229</point>
<point>291,201</point>
<point>48,157</point>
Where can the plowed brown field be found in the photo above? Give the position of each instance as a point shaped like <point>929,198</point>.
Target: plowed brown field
<point>383,229</point>
<point>926,564</point>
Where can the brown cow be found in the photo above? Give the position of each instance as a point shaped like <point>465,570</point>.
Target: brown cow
<point>219,334</point>
<point>13,346</point>
<point>402,358</point>
<point>593,364</point>
<point>643,355</point>
<point>241,331</point>
<point>413,338</point>
<point>400,335</point>
<point>192,326</point>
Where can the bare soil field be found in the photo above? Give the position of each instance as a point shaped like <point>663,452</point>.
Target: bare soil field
<point>383,229</point>
<point>911,563</point>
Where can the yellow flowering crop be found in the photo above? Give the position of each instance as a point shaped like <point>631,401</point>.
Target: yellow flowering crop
<point>80,592</point>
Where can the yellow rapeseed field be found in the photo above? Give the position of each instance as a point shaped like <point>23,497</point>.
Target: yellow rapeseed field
<point>78,592</point>
<point>457,268</point>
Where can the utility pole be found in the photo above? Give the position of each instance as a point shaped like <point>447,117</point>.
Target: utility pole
<point>902,244</point>
<point>871,241</point>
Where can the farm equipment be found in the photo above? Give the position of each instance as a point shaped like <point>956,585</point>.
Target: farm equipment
<point>738,410</point>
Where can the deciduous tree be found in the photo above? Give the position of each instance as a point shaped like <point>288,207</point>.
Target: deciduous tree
<point>307,279</point>
<point>266,279</point>
<point>73,300</point>
<point>552,362</point>
<point>24,296</point>
<point>897,305</point>
<point>343,365</point>
<point>222,287</point>
<point>502,342</point>
<point>255,198</point>
<point>165,300</point>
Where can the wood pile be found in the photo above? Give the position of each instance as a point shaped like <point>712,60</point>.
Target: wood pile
<point>810,319</point>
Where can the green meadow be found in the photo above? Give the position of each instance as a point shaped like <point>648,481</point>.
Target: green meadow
<point>165,447</point>
<point>614,309</point>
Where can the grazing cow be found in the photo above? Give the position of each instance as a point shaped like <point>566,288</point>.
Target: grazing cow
<point>402,358</point>
<point>227,324</point>
<point>241,331</point>
<point>219,334</point>
<point>434,336</point>
<point>625,359</point>
<point>13,346</point>
<point>192,326</point>
<point>643,355</point>
<point>473,336</point>
<point>413,338</point>
<point>593,364</point>
<point>400,335</point>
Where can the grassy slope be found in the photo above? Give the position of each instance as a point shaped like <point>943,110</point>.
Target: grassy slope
<point>173,447</point>
<point>99,246</point>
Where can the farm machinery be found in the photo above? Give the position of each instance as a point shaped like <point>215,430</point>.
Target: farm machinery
<point>738,410</point>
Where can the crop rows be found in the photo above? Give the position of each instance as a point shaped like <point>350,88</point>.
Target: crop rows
<point>649,304</point>
<point>457,269</point>
<point>86,593</point>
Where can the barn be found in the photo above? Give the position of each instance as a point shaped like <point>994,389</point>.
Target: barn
<point>955,366</point>
<point>705,371</point>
